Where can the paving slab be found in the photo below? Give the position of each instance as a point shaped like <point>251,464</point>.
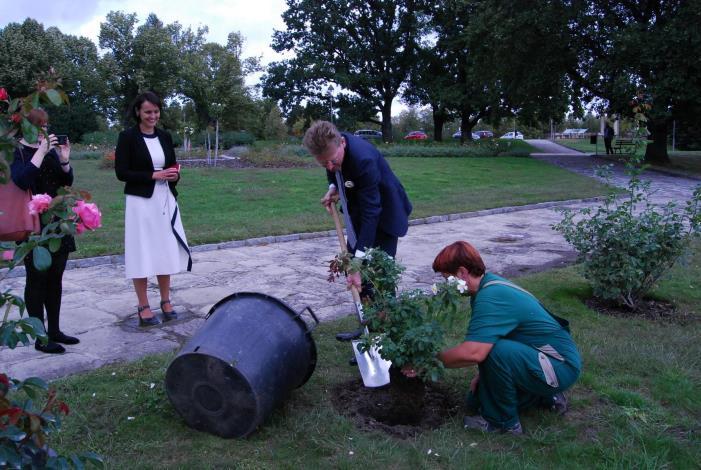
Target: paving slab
<point>99,304</point>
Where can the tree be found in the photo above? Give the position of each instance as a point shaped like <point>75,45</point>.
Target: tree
<point>147,59</point>
<point>27,51</point>
<point>213,73</point>
<point>275,127</point>
<point>365,48</point>
<point>618,51</point>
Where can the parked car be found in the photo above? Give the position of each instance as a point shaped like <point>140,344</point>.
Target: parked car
<point>510,135</point>
<point>458,134</point>
<point>368,134</point>
<point>485,134</point>
<point>416,135</point>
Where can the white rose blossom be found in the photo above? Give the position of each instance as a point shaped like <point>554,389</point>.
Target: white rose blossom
<point>434,289</point>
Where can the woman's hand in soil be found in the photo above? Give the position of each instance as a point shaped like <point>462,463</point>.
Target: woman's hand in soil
<point>409,371</point>
<point>473,383</point>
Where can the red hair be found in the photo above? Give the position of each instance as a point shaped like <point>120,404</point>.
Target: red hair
<point>459,254</point>
<point>38,117</point>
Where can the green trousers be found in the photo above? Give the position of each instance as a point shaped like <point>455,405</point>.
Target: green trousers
<point>511,379</point>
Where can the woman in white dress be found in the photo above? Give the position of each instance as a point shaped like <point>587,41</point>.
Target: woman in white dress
<point>154,239</point>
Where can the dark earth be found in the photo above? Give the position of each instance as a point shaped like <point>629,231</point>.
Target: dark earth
<point>650,309</point>
<point>404,408</point>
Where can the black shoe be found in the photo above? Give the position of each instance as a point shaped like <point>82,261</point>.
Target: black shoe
<point>168,316</point>
<point>50,347</point>
<point>478,423</point>
<point>559,404</point>
<point>350,336</point>
<point>62,338</point>
<point>352,361</point>
<point>152,321</point>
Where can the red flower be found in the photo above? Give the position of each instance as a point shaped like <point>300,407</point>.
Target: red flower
<point>4,380</point>
<point>16,118</point>
<point>3,95</point>
<point>63,408</point>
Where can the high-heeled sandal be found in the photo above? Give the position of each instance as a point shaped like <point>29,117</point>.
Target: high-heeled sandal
<point>146,321</point>
<point>168,316</point>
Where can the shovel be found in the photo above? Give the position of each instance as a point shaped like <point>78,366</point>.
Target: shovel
<point>373,369</point>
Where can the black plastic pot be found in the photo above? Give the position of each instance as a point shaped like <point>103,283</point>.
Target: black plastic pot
<point>252,351</point>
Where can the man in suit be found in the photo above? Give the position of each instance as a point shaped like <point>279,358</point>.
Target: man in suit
<point>377,203</point>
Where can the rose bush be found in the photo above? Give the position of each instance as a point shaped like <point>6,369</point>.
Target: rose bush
<point>29,409</point>
<point>407,328</point>
<point>39,203</point>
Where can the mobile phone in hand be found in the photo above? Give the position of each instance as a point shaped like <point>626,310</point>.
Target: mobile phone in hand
<point>61,139</point>
<point>176,166</point>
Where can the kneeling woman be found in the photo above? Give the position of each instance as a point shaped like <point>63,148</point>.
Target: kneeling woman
<point>154,239</point>
<point>525,355</point>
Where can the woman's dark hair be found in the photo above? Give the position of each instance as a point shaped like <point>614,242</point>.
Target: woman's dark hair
<point>149,96</point>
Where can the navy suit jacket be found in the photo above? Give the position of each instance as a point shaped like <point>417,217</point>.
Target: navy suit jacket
<point>133,163</point>
<point>377,199</point>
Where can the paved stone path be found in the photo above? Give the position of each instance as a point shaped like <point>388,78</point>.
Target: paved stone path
<point>99,304</point>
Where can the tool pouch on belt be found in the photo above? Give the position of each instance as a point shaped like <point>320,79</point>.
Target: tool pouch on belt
<point>548,370</point>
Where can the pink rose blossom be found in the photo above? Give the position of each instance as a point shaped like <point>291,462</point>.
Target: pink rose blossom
<point>90,216</point>
<point>8,255</point>
<point>39,203</point>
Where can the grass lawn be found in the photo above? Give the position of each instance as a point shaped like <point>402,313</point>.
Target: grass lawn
<point>224,204</point>
<point>636,405</point>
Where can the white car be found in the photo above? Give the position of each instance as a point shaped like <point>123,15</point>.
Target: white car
<point>458,134</point>
<point>510,135</point>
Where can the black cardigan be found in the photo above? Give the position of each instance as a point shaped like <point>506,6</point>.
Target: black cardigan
<point>133,163</point>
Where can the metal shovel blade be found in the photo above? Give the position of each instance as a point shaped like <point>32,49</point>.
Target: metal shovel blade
<point>373,369</point>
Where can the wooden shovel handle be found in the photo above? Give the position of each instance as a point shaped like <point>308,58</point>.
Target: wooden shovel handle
<point>344,249</point>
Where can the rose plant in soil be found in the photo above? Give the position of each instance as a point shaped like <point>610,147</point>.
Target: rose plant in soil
<point>409,327</point>
<point>628,243</point>
<point>30,411</point>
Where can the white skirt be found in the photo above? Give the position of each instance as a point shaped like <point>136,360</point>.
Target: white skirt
<point>150,246</point>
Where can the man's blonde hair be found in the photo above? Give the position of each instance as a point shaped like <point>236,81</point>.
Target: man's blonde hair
<point>319,136</point>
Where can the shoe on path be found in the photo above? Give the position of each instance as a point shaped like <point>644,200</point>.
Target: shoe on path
<point>63,338</point>
<point>50,347</point>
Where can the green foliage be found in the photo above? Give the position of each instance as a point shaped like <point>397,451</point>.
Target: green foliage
<point>378,41</point>
<point>479,148</point>
<point>409,328</point>
<point>101,138</point>
<point>29,410</point>
<point>628,243</point>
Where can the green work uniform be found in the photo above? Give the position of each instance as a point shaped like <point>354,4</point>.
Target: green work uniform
<point>512,376</point>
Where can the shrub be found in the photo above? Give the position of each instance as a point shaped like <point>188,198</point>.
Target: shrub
<point>106,138</point>
<point>628,243</point>
<point>409,328</point>
<point>108,160</point>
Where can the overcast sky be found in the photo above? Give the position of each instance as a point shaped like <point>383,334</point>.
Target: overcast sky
<point>256,20</point>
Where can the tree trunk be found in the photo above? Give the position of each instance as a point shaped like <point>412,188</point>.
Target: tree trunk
<point>656,151</point>
<point>387,121</point>
<point>466,126</point>
<point>438,121</point>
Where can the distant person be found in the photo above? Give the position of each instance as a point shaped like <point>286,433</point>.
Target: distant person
<point>154,238</point>
<point>377,203</point>
<point>44,167</point>
<point>525,355</point>
<point>608,138</point>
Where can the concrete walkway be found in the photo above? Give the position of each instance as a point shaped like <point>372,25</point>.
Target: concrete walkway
<point>99,304</point>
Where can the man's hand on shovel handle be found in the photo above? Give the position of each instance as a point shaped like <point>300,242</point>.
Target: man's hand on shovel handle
<point>331,197</point>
